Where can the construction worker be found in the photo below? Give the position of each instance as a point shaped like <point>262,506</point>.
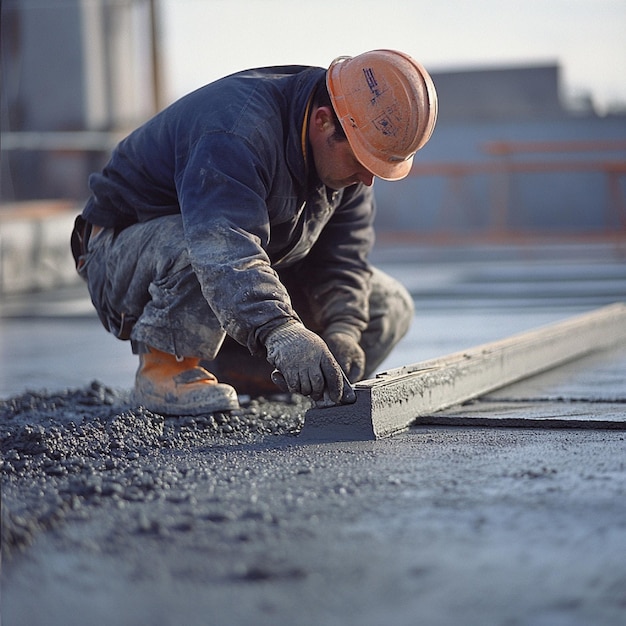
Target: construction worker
<point>228,237</point>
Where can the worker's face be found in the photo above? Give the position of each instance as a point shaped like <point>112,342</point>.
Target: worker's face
<point>336,165</point>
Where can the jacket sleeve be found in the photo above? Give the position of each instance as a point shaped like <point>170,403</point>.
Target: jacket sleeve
<point>338,264</point>
<point>222,190</point>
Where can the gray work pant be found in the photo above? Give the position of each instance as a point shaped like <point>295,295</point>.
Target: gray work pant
<point>144,289</point>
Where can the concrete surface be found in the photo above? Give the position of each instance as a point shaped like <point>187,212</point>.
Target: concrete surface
<point>116,516</point>
<point>437,526</point>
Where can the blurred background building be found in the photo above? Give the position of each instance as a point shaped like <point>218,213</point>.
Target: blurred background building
<point>510,158</point>
<point>76,75</point>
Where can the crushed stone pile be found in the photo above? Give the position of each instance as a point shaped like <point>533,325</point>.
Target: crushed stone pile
<point>65,450</point>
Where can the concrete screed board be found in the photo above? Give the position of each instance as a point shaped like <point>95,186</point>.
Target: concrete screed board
<point>393,400</point>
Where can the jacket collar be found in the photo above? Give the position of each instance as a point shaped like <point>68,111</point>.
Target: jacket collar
<point>298,149</point>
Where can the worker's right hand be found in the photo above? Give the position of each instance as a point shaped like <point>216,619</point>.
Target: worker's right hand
<point>304,360</point>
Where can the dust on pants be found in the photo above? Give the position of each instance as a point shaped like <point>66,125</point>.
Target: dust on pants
<point>143,274</point>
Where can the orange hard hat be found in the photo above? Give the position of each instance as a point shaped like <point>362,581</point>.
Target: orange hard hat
<point>386,103</point>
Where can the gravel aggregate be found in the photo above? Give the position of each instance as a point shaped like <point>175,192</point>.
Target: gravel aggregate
<point>73,449</point>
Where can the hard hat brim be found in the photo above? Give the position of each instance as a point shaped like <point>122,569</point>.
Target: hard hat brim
<point>383,169</point>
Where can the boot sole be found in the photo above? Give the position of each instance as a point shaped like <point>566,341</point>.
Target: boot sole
<point>223,400</point>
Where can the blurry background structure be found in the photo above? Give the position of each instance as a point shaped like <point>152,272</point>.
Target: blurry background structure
<point>519,151</point>
<point>509,158</point>
<point>75,76</point>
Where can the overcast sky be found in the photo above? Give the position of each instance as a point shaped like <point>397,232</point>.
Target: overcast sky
<point>206,39</point>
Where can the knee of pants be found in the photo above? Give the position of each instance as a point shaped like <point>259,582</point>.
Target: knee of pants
<point>391,314</point>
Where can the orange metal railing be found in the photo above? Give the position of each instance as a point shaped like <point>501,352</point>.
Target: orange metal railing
<point>505,164</point>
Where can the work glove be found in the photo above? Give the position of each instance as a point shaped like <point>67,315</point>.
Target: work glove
<point>305,362</point>
<point>348,352</point>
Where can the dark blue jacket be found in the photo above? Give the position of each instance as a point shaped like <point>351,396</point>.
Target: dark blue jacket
<point>233,158</point>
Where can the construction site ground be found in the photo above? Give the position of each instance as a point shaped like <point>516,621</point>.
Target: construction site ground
<point>115,515</point>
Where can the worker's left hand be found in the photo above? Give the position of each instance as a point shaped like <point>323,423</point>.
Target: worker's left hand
<point>348,353</point>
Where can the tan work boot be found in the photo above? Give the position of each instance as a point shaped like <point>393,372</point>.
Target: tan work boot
<point>167,385</point>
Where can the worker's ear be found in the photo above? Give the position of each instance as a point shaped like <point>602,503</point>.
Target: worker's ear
<point>323,119</point>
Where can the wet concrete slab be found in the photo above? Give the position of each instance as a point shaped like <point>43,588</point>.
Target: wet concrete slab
<point>599,377</point>
<point>532,414</point>
<point>587,393</point>
<point>438,526</point>
<point>114,515</point>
